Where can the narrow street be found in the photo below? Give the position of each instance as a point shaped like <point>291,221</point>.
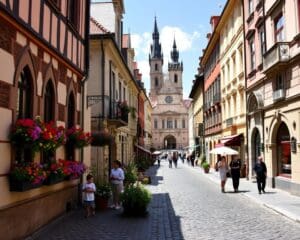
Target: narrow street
<point>185,205</point>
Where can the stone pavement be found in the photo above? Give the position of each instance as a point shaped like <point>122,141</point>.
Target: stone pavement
<point>187,204</point>
<point>280,201</point>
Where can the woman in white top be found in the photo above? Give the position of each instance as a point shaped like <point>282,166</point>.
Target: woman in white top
<point>223,169</point>
<point>117,178</point>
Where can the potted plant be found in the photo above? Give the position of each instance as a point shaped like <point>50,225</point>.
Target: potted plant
<point>25,176</point>
<point>131,174</point>
<point>123,110</point>
<point>55,173</point>
<point>135,200</point>
<point>72,169</point>
<point>205,165</point>
<point>103,193</point>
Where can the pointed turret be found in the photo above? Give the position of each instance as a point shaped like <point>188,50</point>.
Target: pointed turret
<point>155,46</point>
<point>174,52</point>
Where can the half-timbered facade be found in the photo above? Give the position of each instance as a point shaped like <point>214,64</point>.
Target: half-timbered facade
<point>43,64</point>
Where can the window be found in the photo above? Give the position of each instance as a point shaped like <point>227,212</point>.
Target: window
<point>70,148</point>
<point>175,123</point>
<point>24,110</point>
<point>156,66</point>
<point>175,78</point>
<point>156,82</point>
<point>49,102</point>
<point>252,54</point>
<point>155,123</point>
<point>250,7</point>
<point>74,15</point>
<point>183,123</point>
<point>279,82</point>
<point>24,101</point>
<point>120,91</point>
<point>169,123</point>
<point>279,27</point>
<point>262,42</point>
<point>124,93</point>
<point>163,123</point>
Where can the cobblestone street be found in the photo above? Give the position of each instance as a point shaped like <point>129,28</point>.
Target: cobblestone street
<point>185,205</point>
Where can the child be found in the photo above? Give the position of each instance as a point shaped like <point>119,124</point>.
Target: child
<point>89,190</point>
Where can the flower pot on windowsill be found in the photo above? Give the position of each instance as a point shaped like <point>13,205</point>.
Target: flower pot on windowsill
<point>53,179</point>
<point>22,186</point>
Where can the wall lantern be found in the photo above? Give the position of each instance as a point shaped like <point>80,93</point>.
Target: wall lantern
<point>293,145</point>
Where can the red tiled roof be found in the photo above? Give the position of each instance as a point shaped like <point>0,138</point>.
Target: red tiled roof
<point>96,27</point>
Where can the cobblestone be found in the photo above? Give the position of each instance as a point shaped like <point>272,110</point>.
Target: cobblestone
<point>185,205</point>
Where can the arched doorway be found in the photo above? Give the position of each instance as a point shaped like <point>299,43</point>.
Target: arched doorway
<point>283,151</point>
<point>256,145</point>
<point>170,142</point>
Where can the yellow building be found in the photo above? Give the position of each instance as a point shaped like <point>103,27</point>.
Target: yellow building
<point>232,77</point>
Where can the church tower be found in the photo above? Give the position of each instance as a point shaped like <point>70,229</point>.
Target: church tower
<point>156,63</point>
<point>175,70</point>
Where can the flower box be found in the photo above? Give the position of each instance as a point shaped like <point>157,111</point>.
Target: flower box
<point>53,179</point>
<point>22,186</point>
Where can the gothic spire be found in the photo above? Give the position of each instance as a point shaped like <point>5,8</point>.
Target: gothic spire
<point>155,46</point>
<point>174,52</point>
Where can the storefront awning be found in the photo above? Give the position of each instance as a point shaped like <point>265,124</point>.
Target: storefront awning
<point>143,149</point>
<point>233,140</point>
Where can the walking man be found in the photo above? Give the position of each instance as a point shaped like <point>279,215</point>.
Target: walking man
<point>261,174</point>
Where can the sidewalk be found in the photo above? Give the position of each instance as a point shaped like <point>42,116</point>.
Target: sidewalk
<point>280,201</point>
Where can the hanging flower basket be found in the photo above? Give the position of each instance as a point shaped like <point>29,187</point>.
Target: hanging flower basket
<point>78,137</point>
<point>101,138</point>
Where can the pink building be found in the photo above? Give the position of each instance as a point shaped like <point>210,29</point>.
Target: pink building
<point>43,62</point>
<point>272,35</point>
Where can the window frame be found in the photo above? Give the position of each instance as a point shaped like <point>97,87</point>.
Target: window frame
<point>279,32</point>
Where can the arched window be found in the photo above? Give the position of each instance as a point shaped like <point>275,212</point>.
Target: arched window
<point>24,101</point>
<point>24,110</point>
<point>156,66</point>
<point>156,82</point>
<point>175,78</point>
<point>70,149</point>
<point>49,102</point>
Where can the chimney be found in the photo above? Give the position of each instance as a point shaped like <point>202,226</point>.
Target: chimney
<point>214,22</point>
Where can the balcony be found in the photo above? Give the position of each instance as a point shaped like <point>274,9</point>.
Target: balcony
<point>276,56</point>
<point>102,107</point>
<point>278,95</point>
<point>217,98</point>
<point>229,122</point>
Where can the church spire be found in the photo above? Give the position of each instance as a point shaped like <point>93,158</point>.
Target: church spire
<point>155,46</point>
<point>174,52</point>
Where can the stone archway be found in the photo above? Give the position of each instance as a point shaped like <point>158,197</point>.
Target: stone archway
<point>169,142</point>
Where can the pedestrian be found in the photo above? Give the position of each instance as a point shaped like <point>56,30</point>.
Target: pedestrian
<point>170,159</point>
<point>175,158</point>
<point>235,168</point>
<point>158,160</point>
<point>261,174</point>
<point>89,190</point>
<point>117,178</point>
<point>193,156</point>
<point>223,169</point>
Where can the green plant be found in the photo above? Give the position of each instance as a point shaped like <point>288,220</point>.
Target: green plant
<point>131,174</point>
<point>205,165</point>
<point>133,112</point>
<point>202,159</point>
<point>142,163</point>
<point>135,200</point>
<point>103,190</point>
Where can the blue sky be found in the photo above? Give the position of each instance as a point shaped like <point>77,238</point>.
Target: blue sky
<point>188,20</point>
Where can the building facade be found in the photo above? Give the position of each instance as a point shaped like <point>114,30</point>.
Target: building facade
<point>233,95</point>
<point>282,94</point>
<point>44,62</point>
<point>210,63</point>
<point>170,110</point>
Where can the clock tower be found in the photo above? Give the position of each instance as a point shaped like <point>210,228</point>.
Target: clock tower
<point>170,111</point>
